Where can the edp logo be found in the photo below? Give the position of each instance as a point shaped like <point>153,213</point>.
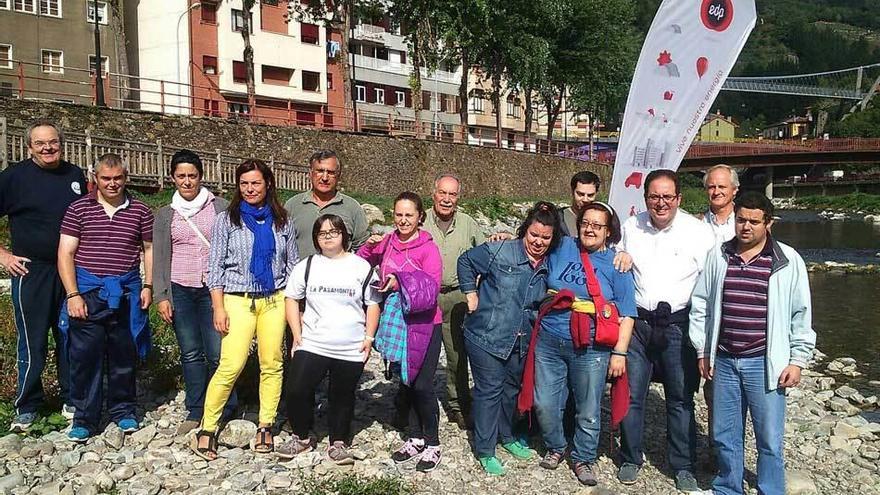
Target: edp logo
<point>716,14</point>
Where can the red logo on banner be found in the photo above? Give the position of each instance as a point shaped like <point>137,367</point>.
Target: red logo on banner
<point>716,14</point>
<point>634,180</point>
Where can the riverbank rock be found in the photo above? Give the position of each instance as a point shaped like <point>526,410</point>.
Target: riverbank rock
<point>827,451</point>
<point>373,214</point>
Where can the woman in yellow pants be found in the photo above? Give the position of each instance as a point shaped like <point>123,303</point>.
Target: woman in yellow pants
<point>253,249</point>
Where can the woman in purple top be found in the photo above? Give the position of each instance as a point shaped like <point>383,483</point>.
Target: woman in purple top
<point>409,248</point>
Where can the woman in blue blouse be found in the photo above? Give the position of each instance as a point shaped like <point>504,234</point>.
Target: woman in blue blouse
<point>559,366</point>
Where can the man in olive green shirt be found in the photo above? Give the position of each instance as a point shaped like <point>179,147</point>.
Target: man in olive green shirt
<point>454,232</point>
<point>304,208</point>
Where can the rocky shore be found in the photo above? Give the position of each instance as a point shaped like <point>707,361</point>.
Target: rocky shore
<point>830,448</point>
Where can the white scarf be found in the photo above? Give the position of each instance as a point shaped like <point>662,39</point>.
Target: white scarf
<point>187,209</point>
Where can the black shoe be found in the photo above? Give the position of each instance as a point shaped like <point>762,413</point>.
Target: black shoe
<point>458,419</point>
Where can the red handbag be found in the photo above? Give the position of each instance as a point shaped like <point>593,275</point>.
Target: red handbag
<point>607,316</point>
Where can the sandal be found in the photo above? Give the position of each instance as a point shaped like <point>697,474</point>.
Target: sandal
<point>261,444</point>
<point>208,453</point>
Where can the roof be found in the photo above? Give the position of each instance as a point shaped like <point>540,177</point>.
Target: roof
<point>714,116</point>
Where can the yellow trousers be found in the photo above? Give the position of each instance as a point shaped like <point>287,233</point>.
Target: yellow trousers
<point>267,321</point>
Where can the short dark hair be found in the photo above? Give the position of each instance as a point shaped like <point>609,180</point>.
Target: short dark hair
<point>614,233</point>
<point>338,223</point>
<point>585,177</point>
<point>416,199</point>
<point>544,213</point>
<point>187,156</point>
<point>321,155</point>
<point>754,201</point>
<point>663,173</point>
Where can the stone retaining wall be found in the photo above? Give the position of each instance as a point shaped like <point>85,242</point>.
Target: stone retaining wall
<point>373,164</point>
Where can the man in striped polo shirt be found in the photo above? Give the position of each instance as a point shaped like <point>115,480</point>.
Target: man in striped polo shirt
<point>750,322</point>
<point>102,236</point>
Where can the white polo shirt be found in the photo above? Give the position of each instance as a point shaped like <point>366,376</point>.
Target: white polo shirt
<point>723,231</point>
<point>666,262</point>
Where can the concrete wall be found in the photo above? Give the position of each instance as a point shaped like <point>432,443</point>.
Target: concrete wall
<point>372,164</point>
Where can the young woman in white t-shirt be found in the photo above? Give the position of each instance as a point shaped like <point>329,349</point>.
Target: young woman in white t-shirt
<point>332,334</point>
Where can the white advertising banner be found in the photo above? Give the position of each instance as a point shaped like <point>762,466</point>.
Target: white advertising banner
<point>687,55</point>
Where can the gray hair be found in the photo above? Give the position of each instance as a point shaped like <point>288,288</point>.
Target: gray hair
<point>321,155</point>
<point>446,175</point>
<point>734,177</point>
<point>111,160</point>
<point>43,123</point>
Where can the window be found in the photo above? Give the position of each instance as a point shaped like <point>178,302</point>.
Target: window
<point>308,33</point>
<point>361,96</point>
<point>105,65</point>
<point>4,4</point>
<point>476,103</point>
<point>513,109</point>
<point>401,98</point>
<point>329,81</point>
<point>239,72</point>
<point>241,110</point>
<point>209,65</point>
<point>5,56</point>
<point>311,81</point>
<point>238,20</point>
<point>270,2</point>
<point>53,61</point>
<point>51,8</point>
<point>380,96</point>
<point>27,6</point>
<point>209,13</point>
<point>102,12</point>
<point>277,75</point>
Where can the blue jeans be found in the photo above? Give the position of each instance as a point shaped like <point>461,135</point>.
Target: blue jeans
<point>740,386</point>
<point>677,362</point>
<point>199,346</point>
<point>497,384</point>
<point>558,368</point>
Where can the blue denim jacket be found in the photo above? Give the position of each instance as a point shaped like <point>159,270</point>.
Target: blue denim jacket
<point>509,291</point>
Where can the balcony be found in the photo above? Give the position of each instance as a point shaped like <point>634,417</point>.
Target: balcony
<point>369,32</point>
<point>362,62</point>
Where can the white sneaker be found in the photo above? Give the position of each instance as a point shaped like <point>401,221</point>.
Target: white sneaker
<point>68,411</point>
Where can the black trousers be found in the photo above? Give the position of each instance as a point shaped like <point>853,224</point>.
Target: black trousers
<point>104,334</point>
<point>36,301</point>
<point>421,396</point>
<point>305,372</point>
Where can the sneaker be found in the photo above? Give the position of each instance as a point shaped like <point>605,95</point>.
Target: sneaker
<point>411,449</point>
<point>68,411</point>
<point>293,447</point>
<point>685,482</point>
<point>128,425</point>
<point>518,450</point>
<point>628,473</point>
<point>584,473</point>
<point>551,460</point>
<point>22,422</point>
<point>492,465</point>
<point>79,434</point>
<point>429,460</point>
<point>339,453</point>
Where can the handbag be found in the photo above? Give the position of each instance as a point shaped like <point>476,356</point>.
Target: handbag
<point>607,316</point>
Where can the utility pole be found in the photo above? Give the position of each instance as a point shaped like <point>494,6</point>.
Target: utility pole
<point>99,75</point>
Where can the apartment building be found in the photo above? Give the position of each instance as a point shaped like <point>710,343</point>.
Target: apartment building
<point>191,61</point>
<point>47,48</point>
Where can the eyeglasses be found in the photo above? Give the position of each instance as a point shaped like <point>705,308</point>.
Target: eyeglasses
<point>666,198</point>
<point>329,234</point>
<point>42,144</point>
<point>325,171</point>
<point>592,225</point>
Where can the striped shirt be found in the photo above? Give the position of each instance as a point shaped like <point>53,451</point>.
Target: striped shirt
<point>108,245</point>
<point>744,303</point>
<point>189,254</point>
<point>231,246</point>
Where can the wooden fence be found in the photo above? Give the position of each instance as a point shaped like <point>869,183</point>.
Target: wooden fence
<point>148,162</point>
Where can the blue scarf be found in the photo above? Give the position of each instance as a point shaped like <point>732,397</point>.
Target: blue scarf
<point>263,250</point>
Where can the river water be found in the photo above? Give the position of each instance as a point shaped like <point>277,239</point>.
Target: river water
<point>846,314</point>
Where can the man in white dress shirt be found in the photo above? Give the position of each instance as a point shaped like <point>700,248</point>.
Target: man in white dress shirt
<point>722,184</point>
<point>668,249</point>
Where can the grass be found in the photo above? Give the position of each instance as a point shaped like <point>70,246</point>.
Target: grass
<point>350,484</point>
<point>869,203</point>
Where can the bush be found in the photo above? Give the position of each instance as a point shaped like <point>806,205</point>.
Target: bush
<point>350,484</point>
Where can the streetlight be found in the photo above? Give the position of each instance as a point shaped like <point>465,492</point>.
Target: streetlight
<point>177,49</point>
<point>99,76</point>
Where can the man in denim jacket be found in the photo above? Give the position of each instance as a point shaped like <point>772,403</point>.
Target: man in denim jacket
<point>750,322</point>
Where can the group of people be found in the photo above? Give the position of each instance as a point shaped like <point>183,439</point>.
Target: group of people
<point>543,318</point>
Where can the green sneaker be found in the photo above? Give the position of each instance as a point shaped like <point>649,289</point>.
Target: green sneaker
<point>492,465</point>
<point>518,450</point>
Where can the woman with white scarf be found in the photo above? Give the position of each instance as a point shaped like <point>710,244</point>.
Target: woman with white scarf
<point>181,246</point>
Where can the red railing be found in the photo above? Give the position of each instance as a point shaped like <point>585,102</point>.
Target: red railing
<point>767,147</point>
<point>29,81</point>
